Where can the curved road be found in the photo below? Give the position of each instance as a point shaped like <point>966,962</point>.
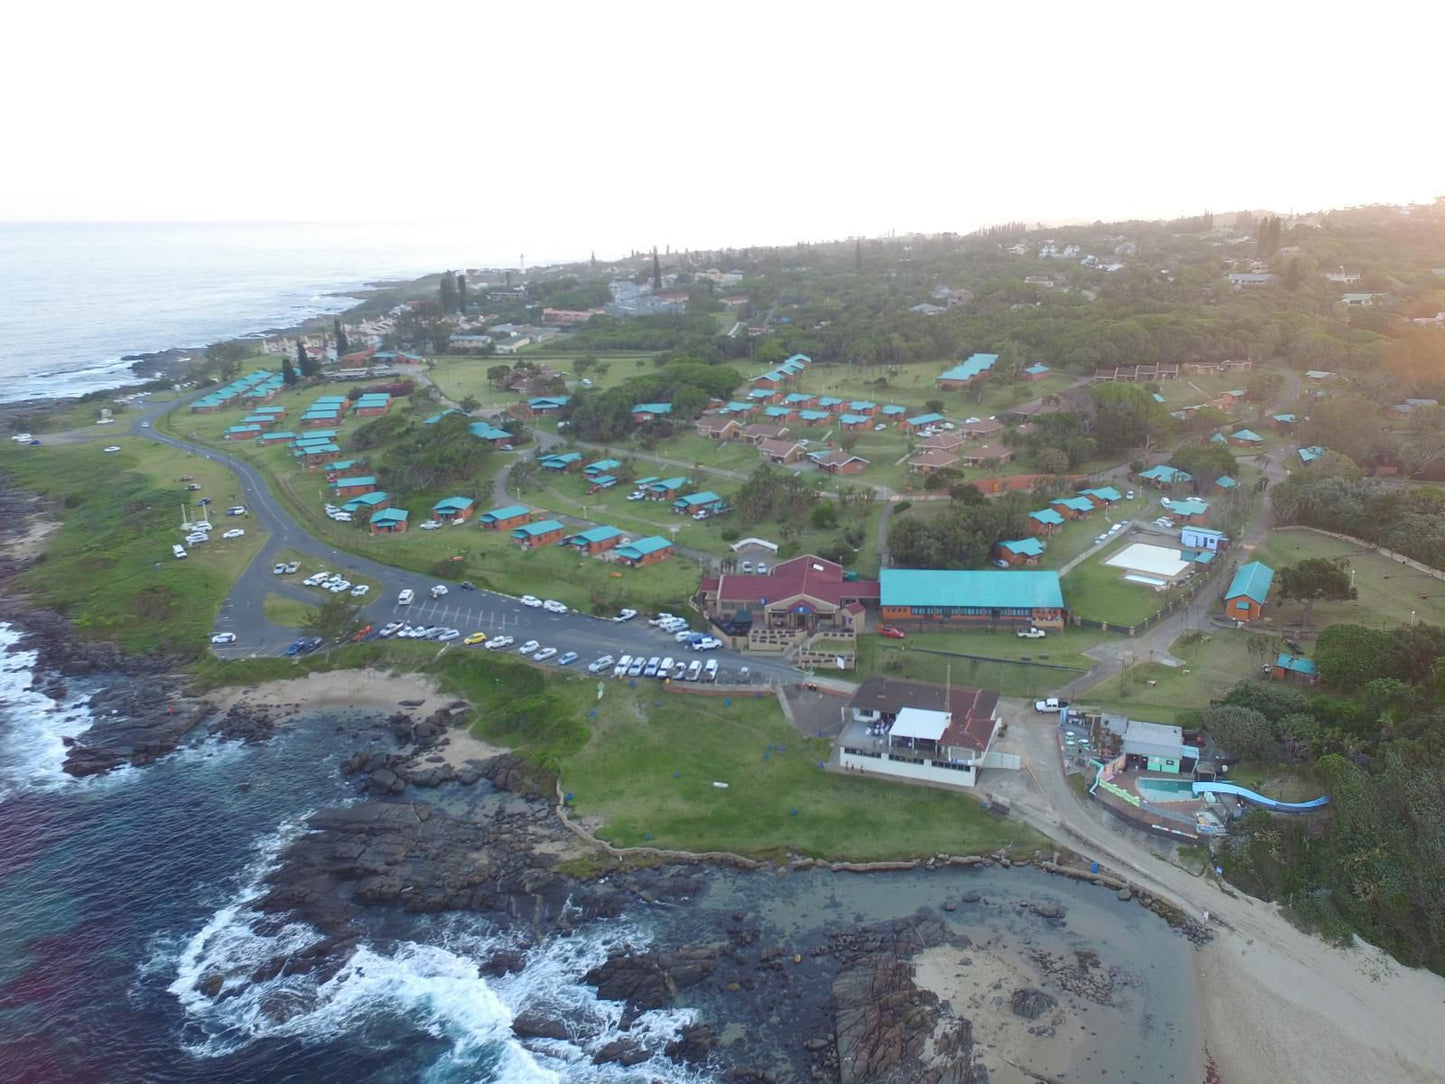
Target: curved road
<point>243,612</point>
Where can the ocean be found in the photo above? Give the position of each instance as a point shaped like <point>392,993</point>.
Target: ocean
<point>80,296</point>
<point>119,892</point>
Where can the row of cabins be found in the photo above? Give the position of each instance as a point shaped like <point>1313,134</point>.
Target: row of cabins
<point>257,424</point>
<point>1045,521</point>
<point>971,369</point>
<point>257,387</point>
<point>517,520</point>
<point>785,373</point>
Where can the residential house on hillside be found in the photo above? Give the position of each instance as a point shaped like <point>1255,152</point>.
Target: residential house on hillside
<point>976,428</point>
<point>761,431</point>
<point>645,551</point>
<point>919,732</point>
<point>596,540</point>
<point>1073,507</point>
<point>718,428</point>
<point>1245,438</point>
<point>561,461</point>
<point>1045,521</point>
<point>933,459</point>
<point>838,461</point>
<point>1165,475</point>
<point>967,371</point>
<point>453,509</point>
<point>782,451</point>
<point>1293,668</point>
<point>488,432</point>
<point>1020,551</point>
<point>541,533</point>
<point>504,519</point>
<point>388,521</point>
<point>1245,599</point>
<point>986,455</point>
<point>646,412</point>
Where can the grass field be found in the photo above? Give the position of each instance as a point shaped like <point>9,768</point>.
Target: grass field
<point>1215,661</point>
<point>286,611</point>
<point>109,567</point>
<point>649,767</point>
<point>459,377</point>
<point>1099,592</point>
<point>1033,674</point>
<point>1389,592</point>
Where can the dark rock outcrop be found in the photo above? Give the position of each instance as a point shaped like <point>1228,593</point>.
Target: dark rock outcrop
<point>1031,1003</point>
<point>536,1025</point>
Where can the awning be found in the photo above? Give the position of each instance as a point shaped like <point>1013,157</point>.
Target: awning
<point>918,723</point>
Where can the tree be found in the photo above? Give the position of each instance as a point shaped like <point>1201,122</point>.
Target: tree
<point>461,293</point>
<point>288,373</point>
<point>343,345</point>
<point>334,620</point>
<point>1347,656</point>
<point>226,357</point>
<point>1314,579</point>
<point>934,406</point>
<point>470,403</point>
<point>308,365</point>
<point>448,292</point>
<point>1241,731</point>
<point>656,270</point>
<point>498,375</point>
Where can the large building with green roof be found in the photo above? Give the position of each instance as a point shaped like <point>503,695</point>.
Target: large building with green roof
<point>971,598</point>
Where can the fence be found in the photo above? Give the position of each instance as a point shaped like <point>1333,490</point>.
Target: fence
<point>1187,596</point>
<point>1400,558</point>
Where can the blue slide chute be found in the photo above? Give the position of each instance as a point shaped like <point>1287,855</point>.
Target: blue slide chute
<point>1245,794</point>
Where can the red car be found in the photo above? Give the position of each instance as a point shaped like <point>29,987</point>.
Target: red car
<point>891,632</point>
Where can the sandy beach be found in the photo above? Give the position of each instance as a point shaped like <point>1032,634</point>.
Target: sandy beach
<point>364,690</point>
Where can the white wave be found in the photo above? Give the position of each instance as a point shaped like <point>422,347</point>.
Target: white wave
<point>33,726</point>
<point>434,986</point>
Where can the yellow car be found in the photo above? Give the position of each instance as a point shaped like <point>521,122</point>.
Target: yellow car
<point>476,638</point>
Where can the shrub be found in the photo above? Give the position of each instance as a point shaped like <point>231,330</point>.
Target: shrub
<point>902,506</point>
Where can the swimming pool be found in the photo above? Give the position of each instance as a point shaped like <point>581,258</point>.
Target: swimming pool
<point>1165,790</point>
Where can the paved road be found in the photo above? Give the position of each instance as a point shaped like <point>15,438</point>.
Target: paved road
<point>243,611</point>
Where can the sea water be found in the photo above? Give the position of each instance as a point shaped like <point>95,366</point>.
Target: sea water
<point>77,297</point>
<point>118,893</point>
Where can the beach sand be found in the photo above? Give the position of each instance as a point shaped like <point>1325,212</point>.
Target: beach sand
<point>1297,1009</point>
<point>979,991</point>
<point>364,690</point>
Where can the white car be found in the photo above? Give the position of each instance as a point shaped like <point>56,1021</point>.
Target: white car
<point>694,670</point>
<point>236,510</point>
<point>625,615</point>
<point>342,517</point>
<point>145,425</point>
<point>404,599</point>
<point>391,629</point>
<point>315,580</point>
<point>683,635</point>
<point>449,634</point>
<point>224,638</point>
<point>1129,496</point>
<point>709,672</point>
<point>278,570</point>
<point>879,427</point>
<point>113,448</point>
<point>529,647</point>
<point>622,665</point>
<point>197,538</point>
<point>545,654</point>
<point>331,509</point>
<point>637,496</point>
<point>554,607</point>
<point>292,566</point>
<point>496,643</point>
<point>662,619</point>
<point>439,590</point>
<point>431,525</point>
<point>531,601</point>
<point>234,532</point>
<point>707,643</point>
<point>359,590</point>
<point>1030,634</point>
<point>604,662</point>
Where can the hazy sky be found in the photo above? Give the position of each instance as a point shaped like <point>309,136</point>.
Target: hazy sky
<point>562,129</point>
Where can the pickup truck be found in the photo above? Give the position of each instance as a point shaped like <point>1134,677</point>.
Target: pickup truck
<point>1030,634</point>
<point>1050,706</point>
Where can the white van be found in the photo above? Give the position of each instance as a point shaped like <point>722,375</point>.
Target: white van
<point>665,670</point>
<point>709,672</point>
<point>622,665</point>
<point>178,552</point>
<point>404,599</point>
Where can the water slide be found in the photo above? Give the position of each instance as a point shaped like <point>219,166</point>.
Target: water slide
<point>1260,800</point>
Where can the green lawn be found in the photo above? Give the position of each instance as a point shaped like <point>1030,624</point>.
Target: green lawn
<point>1215,661</point>
<point>110,567</point>
<point>1389,592</point>
<point>286,611</point>
<point>653,757</point>
<point>1099,592</point>
<point>914,658</point>
<point>459,377</point>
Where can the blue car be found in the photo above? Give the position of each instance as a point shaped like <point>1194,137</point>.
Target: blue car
<point>568,659</point>
<point>296,648</point>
